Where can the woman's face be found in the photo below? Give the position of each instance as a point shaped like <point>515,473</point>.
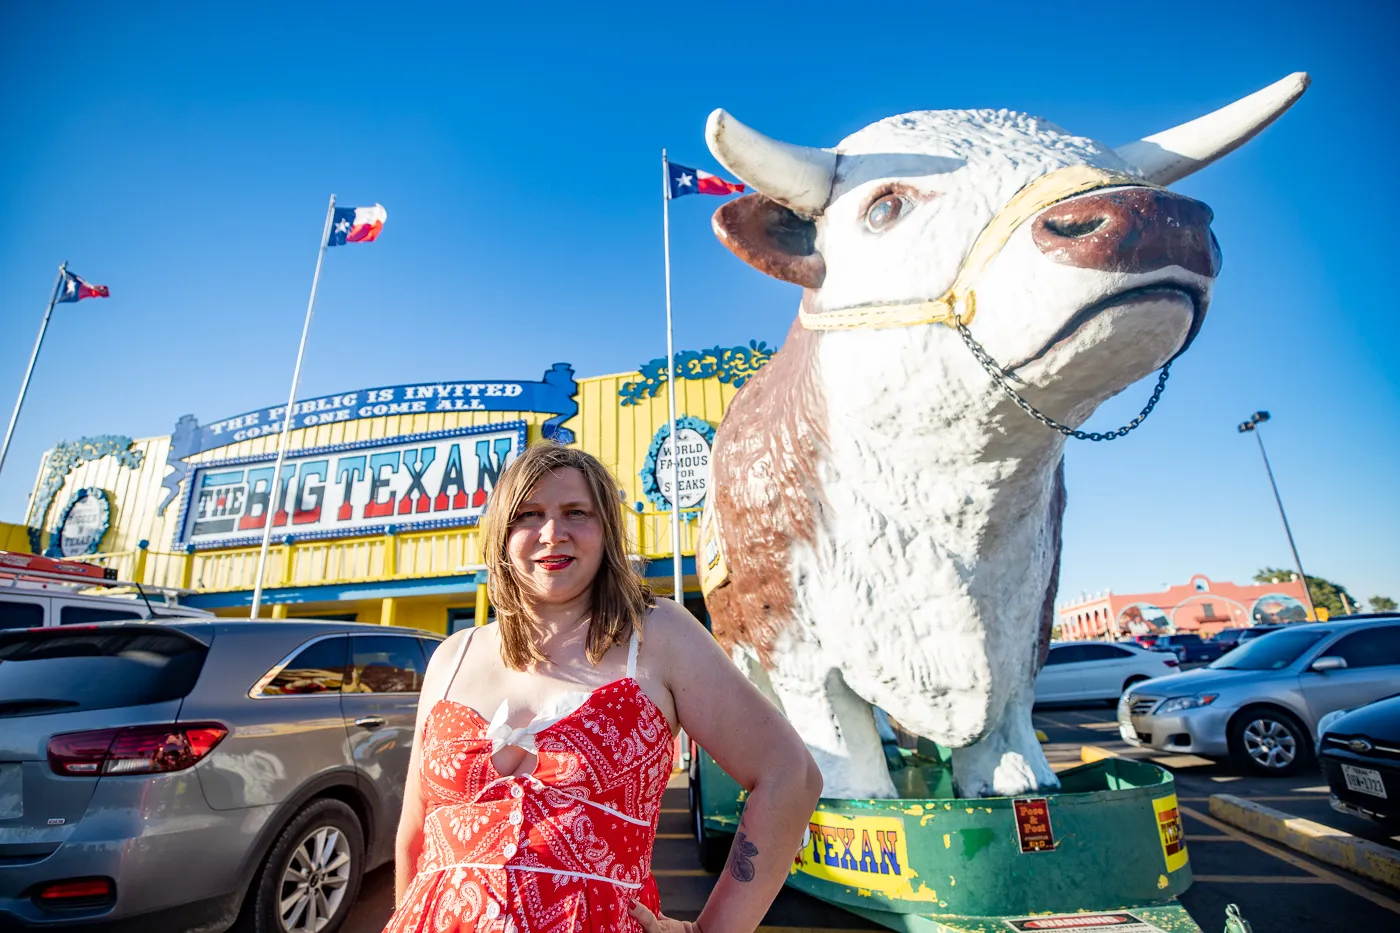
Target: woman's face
<point>556,538</point>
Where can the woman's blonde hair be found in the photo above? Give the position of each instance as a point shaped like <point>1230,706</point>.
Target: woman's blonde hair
<point>620,595</point>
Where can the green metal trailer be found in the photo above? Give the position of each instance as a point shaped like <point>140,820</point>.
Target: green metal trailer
<point>1105,852</point>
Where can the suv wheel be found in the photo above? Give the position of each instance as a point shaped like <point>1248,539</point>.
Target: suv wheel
<point>311,878</point>
<point>1270,742</point>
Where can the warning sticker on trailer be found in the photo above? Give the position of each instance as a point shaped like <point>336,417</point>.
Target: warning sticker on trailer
<point>1088,923</point>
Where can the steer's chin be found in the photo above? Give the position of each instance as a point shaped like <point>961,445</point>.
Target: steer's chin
<point>1107,348</point>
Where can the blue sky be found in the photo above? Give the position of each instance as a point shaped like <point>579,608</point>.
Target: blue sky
<point>183,155</point>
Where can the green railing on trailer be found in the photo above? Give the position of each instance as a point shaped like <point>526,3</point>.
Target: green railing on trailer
<point>1107,849</point>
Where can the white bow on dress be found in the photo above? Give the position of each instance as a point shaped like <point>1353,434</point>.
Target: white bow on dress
<point>501,734</point>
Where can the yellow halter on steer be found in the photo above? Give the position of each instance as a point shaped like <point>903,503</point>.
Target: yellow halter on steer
<point>958,306</point>
<point>1039,194</point>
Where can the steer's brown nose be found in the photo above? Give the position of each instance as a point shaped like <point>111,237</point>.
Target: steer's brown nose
<point>1129,230</point>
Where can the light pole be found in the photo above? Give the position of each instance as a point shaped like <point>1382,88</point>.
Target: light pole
<point>1252,426</point>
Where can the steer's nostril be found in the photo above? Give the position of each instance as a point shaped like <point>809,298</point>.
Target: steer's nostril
<point>1128,229</point>
<point>1073,227</point>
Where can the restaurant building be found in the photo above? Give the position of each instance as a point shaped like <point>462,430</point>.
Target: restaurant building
<point>379,499</point>
<point>1201,605</point>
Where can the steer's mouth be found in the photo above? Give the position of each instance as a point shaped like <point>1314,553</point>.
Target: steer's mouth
<point>1186,296</point>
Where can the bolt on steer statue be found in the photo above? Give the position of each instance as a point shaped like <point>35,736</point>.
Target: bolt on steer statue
<point>884,522</point>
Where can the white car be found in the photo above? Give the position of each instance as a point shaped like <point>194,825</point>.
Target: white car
<point>1093,670</point>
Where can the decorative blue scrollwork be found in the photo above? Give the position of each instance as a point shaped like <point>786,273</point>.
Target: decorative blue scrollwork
<point>651,486</point>
<point>730,365</point>
<point>63,460</point>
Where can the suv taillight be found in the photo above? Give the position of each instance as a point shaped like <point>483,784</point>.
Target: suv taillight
<point>133,750</point>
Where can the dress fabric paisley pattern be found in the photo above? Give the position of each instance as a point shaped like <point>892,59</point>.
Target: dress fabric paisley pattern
<point>565,848</point>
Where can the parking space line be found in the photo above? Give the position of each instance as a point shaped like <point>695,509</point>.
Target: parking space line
<point>675,810</point>
<point>1328,876</point>
<point>1257,879</point>
<point>1055,722</point>
<point>675,836</point>
<point>1242,797</point>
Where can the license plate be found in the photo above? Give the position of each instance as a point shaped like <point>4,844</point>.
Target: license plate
<point>11,800</point>
<point>1364,780</point>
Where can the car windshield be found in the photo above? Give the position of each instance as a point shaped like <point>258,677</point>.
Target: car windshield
<point>1274,653</point>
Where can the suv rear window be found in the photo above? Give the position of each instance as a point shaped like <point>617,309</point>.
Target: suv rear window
<point>86,615</point>
<point>69,670</point>
<point>15,614</point>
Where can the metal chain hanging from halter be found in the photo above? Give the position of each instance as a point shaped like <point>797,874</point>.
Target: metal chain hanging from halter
<point>999,377</point>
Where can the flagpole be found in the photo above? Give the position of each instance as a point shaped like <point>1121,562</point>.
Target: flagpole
<point>671,389</point>
<point>287,417</point>
<point>33,358</point>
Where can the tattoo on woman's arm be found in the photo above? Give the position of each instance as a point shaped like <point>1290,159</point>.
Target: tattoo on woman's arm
<point>741,858</point>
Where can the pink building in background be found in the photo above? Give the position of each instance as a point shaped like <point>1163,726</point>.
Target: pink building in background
<point>1202,605</point>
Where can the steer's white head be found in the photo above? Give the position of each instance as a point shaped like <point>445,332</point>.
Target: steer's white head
<point>1078,292</point>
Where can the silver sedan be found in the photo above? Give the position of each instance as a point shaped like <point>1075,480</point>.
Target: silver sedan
<point>1261,702</point>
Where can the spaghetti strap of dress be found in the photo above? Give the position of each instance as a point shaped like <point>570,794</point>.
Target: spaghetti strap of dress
<point>632,653</point>
<point>456,665</point>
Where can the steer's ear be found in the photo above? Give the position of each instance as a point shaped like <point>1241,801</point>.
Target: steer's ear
<point>772,239</point>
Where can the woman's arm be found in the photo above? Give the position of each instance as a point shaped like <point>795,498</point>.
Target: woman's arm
<point>753,741</point>
<point>408,842</point>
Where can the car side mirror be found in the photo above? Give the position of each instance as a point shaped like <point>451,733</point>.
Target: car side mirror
<point>1323,665</point>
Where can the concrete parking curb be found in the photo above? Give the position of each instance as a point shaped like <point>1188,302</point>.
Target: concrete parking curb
<point>1333,846</point>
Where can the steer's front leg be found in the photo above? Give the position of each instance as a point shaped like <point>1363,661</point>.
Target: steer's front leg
<point>839,729</point>
<point>1008,761</point>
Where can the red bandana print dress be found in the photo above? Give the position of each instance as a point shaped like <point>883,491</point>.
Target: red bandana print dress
<point>563,849</point>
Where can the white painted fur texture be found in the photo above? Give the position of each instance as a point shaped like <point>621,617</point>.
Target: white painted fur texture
<point>923,591</point>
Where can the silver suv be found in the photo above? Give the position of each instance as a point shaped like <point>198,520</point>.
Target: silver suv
<point>1260,703</point>
<point>184,775</point>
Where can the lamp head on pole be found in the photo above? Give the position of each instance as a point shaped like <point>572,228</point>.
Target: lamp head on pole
<point>1256,419</point>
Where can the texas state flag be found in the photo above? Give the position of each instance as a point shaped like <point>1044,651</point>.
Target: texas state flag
<point>357,225</point>
<point>73,288</point>
<point>693,181</point>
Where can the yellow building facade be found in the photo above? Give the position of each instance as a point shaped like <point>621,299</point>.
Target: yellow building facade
<point>377,509</point>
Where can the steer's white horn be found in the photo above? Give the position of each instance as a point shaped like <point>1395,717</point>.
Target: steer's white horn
<point>797,177</point>
<point>1181,150</point>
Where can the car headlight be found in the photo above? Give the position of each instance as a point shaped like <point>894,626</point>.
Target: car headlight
<point>1178,704</point>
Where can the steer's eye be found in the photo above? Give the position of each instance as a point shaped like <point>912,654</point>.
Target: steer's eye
<point>885,211</point>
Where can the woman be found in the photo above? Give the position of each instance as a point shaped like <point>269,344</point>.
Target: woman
<point>544,742</point>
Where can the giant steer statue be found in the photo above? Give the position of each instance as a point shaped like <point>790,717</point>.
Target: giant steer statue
<point>884,520</point>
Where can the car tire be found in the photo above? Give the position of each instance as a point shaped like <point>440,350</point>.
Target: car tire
<point>1270,742</point>
<point>713,850</point>
<point>1129,684</point>
<point>325,825</point>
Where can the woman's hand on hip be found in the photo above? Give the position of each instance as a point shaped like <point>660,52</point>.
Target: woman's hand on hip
<point>660,923</point>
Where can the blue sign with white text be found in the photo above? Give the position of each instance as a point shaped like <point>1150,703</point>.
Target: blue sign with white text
<point>553,394</point>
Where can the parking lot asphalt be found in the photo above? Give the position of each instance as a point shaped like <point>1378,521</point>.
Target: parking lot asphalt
<point>1276,889</point>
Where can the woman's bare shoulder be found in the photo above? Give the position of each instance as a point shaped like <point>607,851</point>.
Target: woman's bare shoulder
<point>444,659</point>
<point>671,632</point>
